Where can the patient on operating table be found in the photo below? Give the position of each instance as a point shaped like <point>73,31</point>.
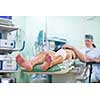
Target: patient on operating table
<point>47,59</point>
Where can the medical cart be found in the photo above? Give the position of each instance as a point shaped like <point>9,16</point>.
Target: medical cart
<point>7,61</point>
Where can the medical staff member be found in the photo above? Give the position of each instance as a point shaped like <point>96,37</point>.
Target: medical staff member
<point>87,54</point>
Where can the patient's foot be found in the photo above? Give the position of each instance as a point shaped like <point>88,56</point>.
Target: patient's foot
<point>22,62</point>
<point>47,62</point>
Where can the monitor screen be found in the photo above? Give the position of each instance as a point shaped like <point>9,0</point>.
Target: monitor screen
<point>5,20</point>
<point>6,17</point>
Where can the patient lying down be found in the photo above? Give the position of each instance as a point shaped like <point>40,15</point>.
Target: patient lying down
<point>47,59</point>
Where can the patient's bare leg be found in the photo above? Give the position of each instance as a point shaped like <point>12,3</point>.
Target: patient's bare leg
<point>38,59</point>
<point>49,61</point>
<point>55,60</point>
<point>59,59</point>
<point>22,62</point>
<point>29,64</point>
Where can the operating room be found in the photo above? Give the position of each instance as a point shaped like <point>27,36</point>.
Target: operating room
<point>31,35</point>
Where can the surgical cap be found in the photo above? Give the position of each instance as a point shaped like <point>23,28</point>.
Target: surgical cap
<point>88,37</point>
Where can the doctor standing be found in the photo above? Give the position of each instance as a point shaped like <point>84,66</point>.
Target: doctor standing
<point>89,54</point>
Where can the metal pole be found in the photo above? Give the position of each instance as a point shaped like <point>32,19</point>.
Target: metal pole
<point>46,40</point>
<point>90,73</point>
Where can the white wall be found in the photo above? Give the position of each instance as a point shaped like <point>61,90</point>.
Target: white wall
<point>73,28</point>
<point>69,27</point>
<point>33,24</point>
<point>66,27</point>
